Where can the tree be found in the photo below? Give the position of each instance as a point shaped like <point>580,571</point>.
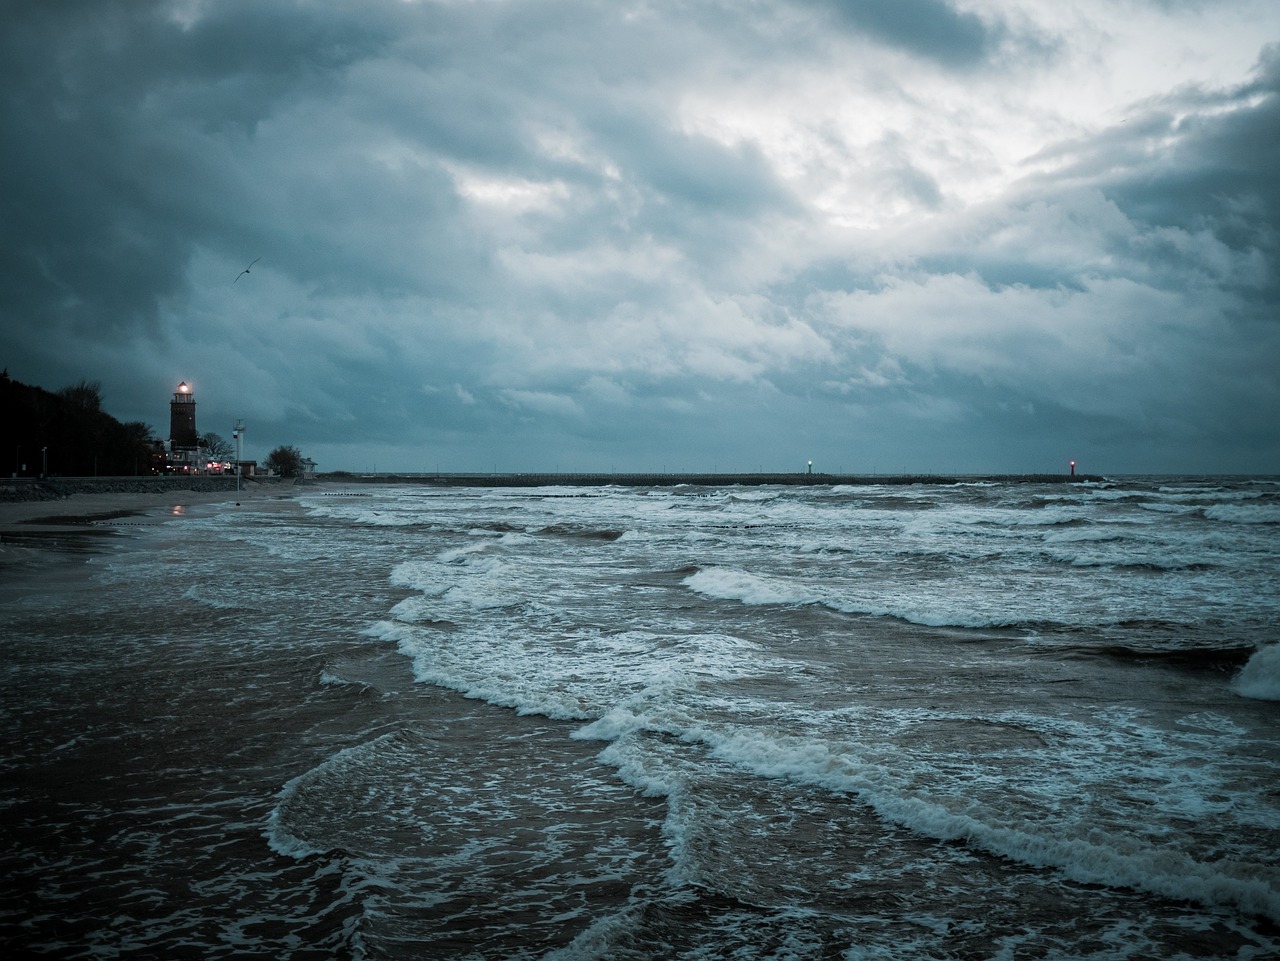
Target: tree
<point>138,448</point>
<point>285,460</point>
<point>85,397</point>
<point>217,447</point>
<point>67,433</point>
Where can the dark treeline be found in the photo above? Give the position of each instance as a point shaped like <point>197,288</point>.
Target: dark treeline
<point>67,433</point>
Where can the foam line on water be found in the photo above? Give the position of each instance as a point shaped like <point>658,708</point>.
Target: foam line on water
<point>1107,859</point>
<point>279,831</point>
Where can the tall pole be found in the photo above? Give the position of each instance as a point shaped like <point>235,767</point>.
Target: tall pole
<point>237,432</point>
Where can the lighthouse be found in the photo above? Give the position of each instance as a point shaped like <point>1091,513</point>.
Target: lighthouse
<point>182,423</point>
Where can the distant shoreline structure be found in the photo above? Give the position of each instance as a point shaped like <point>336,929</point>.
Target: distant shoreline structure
<point>758,479</point>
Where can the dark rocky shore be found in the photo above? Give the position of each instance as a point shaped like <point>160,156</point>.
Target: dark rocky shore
<point>58,488</point>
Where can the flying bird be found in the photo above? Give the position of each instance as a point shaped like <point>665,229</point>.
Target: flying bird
<point>246,270</point>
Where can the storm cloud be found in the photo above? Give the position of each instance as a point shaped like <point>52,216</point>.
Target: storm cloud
<point>577,235</point>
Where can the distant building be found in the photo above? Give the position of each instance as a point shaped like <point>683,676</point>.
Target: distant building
<point>159,459</point>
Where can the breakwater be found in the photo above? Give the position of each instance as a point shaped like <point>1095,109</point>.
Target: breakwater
<point>697,480</point>
<point>57,488</point>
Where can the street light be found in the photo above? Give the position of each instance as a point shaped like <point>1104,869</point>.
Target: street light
<point>44,471</point>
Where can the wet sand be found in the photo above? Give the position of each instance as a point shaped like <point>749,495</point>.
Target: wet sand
<point>147,735</point>
<point>38,536</point>
<point>80,510</point>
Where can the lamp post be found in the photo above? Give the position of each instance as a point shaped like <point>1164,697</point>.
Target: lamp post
<point>237,434</point>
<point>44,471</point>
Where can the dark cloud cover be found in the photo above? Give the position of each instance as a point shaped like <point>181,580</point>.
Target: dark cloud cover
<point>932,29</point>
<point>644,235</point>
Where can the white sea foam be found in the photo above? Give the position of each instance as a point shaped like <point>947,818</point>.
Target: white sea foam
<point>208,595</point>
<point>1267,513</point>
<point>490,666</point>
<point>1260,677</point>
<point>458,554</point>
<point>1126,552</point>
<point>600,631</point>
<point>279,830</point>
<point>1092,535</point>
<point>1087,851</point>
<point>1165,507</point>
<point>468,578</point>
<point>736,585</point>
<point>1083,854</point>
<point>939,609</point>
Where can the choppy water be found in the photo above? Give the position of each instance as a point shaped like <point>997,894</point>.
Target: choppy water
<point>975,721</point>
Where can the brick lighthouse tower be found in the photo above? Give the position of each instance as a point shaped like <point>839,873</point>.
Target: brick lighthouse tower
<point>183,439</point>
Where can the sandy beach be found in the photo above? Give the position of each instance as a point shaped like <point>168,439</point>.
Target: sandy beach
<point>79,510</point>
<point>38,535</point>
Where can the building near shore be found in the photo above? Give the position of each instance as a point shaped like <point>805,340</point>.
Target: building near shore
<point>184,441</point>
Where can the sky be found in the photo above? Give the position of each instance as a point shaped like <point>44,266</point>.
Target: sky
<point>880,236</point>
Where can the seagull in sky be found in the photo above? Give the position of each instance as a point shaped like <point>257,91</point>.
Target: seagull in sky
<point>246,270</point>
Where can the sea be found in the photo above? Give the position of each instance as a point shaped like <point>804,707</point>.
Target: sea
<point>986,720</point>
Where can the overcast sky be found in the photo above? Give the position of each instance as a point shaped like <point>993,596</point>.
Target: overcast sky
<point>881,235</point>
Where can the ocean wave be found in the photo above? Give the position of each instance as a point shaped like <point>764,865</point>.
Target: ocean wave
<point>1062,837</point>
<point>605,534</point>
<point>1123,546</point>
<point>495,668</point>
<point>1207,658</point>
<point>291,827</point>
<point>1251,513</point>
<point>468,578</point>
<point>1137,560</point>
<point>1162,507</point>
<point>1260,677</point>
<point>755,496</point>
<point>730,584</point>
<point>1083,854</point>
<point>202,594</point>
<point>329,679</point>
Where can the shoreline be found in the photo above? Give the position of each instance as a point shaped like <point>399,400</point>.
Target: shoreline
<point>40,535</point>
<point>85,503</point>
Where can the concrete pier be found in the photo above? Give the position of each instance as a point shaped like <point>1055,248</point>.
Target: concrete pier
<point>814,479</point>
